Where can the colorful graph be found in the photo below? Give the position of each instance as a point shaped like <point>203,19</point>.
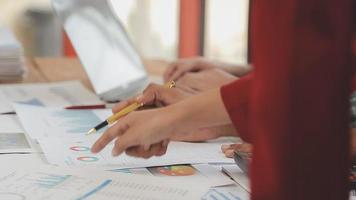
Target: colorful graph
<point>176,170</point>
<point>79,148</point>
<point>76,121</point>
<point>47,180</point>
<point>88,158</point>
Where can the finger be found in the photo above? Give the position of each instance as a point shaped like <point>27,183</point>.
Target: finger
<point>116,130</point>
<point>168,73</point>
<point>140,151</point>
<point>162,151</point>
<point>185,88</point>
<point>126,141</point>
<point>226,147</point>
<point>180,71</point>
<point>245,148</point>
<point>154,94</point>
<point>229,153</point>
<point>189,80</point>
<point>123,104</point>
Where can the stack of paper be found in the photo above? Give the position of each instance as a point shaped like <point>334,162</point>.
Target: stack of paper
<point>45,182</point>
<point>12,65</point>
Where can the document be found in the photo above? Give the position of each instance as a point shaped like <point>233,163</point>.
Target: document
<point>45,94</point>
<point>58,121</point>
<point>76,152</point>
<point>47,183</point>
<point>238,175</point>
<point>232,192</point>
<point>203,173</point>
<point>10,124</point>
<point>13,138</point>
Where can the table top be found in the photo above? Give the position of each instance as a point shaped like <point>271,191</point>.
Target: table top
<point>53,69</point>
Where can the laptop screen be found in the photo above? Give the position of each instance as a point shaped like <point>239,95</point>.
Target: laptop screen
<point>101,43</point>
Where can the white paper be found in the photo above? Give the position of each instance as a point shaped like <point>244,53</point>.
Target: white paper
<point>45,94</point>
<point>10,124</point>
<point>13,139</point>
<point>46,183</point>
<point>233,192</point>
<point>238,175</point>
<point>203,173</point>
<point>76,152</point>
<point>58,121</point>
<point>10,162</point>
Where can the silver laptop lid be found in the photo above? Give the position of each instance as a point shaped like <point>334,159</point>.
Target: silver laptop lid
<point>102,45</point>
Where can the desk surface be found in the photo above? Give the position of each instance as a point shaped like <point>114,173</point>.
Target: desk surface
<point>64,69</point>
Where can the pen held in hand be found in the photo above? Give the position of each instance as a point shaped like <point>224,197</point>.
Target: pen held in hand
<point>113,118</point>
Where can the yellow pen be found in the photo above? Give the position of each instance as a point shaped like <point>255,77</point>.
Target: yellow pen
<point>132,107</point>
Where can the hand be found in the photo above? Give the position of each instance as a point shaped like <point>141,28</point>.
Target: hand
<point>179,68</point>
<point>155,95</point>
<point>229,150</point>
<point>144,133</point>
<point>139,134</point>
<point>204,80</point>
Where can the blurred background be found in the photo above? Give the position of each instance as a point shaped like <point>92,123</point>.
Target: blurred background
<point>164,29</point>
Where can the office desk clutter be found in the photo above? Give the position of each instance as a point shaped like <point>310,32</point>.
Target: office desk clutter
<point>12,62</point>
<point>53,138</point>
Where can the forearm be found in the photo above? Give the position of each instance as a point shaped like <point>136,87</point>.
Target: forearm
<point>237,70</point>
<point>204,134</point>
<point>203,110</point>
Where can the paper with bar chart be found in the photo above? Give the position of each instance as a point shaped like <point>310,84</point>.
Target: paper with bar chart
<point>49,183</point>
<point>13,138</point>
<point>48,94</point>
<point>76,152</point>
<point>58,121</point>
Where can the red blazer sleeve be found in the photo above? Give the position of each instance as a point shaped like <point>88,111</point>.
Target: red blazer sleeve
<point>236,97</point>
<point>298,106</point>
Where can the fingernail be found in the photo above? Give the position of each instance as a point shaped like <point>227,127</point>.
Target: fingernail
<point>139,98</point>
<point>229,153</point>
<point>114,153</point>
<point>225,146</point>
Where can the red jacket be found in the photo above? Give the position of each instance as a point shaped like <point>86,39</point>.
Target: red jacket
<point>294,108</point>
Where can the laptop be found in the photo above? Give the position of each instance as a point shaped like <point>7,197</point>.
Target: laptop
<point>110,59</point>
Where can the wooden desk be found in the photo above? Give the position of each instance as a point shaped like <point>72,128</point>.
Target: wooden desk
<point>64,69</point>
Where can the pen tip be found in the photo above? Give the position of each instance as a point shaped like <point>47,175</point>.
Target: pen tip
<point>91,131</point>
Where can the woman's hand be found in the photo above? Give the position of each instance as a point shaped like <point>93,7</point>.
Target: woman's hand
<point>155,95</point>
<point>141,134</point>
<point>180,67</point>
<point>146,133</point>
<point>229,149</point>
<point>158,96</point>
<point>205,80</point>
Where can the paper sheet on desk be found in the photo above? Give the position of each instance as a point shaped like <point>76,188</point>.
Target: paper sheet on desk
<point>46,94</point>
<point>58,121</point>
<point>59,183</point>
<point>203,173</point>
<point>76,152</point>
<point>13,138</point>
